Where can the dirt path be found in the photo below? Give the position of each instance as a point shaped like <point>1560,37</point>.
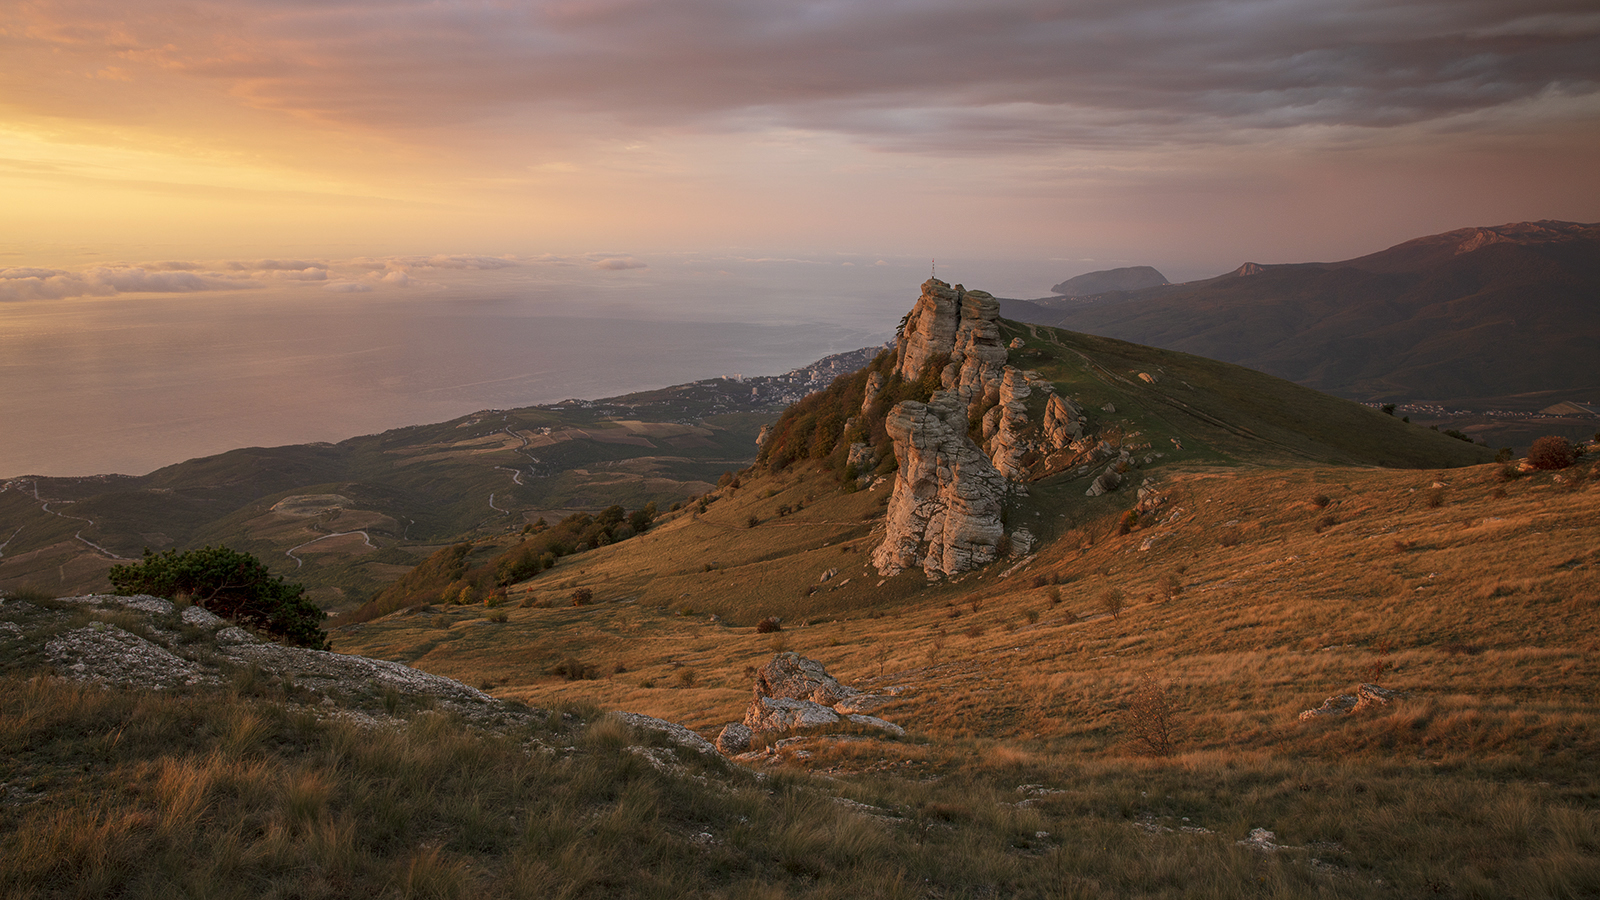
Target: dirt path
<point>45,505</point>
<point>298,562</point>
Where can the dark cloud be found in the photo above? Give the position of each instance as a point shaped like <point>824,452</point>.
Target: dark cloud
<point>1015,71</point>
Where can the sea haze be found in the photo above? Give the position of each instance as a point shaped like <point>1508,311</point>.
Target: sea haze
<point>130,382</point>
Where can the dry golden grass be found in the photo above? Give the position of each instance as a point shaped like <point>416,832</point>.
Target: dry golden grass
<point>1244,601</point>
<point>1496,601</point>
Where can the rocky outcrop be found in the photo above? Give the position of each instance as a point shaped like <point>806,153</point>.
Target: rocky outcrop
<point>793,692</point>
<point>1063,422</point>
<point>874,387</point>
<point>958,325</point>
<point>1367,696</point>
<point>944,514</point>
<point>1008,443</point>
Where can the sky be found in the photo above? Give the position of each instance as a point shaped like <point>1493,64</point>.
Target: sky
<point>1060,137</point>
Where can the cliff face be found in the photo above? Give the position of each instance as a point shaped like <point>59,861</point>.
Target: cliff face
<point>949,491</point>
<point>944,514</point>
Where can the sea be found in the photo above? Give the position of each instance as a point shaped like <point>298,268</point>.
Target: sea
<point>239,355</point>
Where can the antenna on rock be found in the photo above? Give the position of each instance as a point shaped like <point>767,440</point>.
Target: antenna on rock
<point>934,268</point>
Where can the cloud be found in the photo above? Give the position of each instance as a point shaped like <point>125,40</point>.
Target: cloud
<point>930,74</point>
<point>347,287</point>
<point>618,263</point>
<point>24,283</point>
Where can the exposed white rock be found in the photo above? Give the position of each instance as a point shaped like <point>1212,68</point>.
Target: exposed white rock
<point>109,655</point>
<point>734,738</point>
<point>200,617</point>
<point>1063,422</point>
<point>677,733</point>
<point>784,714</point>
<point>1008,443</point>
<point>945,511</point>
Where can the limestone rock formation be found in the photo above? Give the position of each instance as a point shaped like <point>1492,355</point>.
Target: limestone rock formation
<point>944,514</point>
<point>794,692</point>
<point>1008,444</point>
<point>1063,422</point>
<point>957,324</point>
<point>874,386</point>
<point>1367,696</point>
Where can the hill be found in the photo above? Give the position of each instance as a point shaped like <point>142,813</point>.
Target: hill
<point>1258,663</point>
<point>348,518</point>
<point>1153,659</point>
<point>1130,278</point>
<point>1473,320</point>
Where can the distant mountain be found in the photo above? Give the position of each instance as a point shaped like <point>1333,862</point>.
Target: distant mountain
<point>1131,278</point>
<point>1473,315</point>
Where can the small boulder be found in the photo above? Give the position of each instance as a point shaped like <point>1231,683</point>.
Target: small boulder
<point>201,617</point>
<point>734,738</point>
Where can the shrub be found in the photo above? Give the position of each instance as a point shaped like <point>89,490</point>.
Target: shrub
<point>1149,719</point>
<point>582,597</point>
<point>768,625</point>
<point>1552,452</point>
<point>231,584</point>
<point>572,669</point>
<point>1321,501</point>
<point>1113,601</point>
<point>752,522</point>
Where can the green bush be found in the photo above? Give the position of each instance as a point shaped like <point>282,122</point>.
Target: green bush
<point>231,584</point>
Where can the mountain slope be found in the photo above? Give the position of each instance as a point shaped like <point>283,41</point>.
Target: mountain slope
<point>348,518</point>
<point>1475,314</point>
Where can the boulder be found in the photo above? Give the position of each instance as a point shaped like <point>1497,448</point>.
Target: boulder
<point>794,692</point>
<point>1107,482</point>
<point>1367,696</point>
<point>785,714</point>
<point>793,676</point>
<point>874,387</point>
<point>1063,422</point>
<point>734,738</point>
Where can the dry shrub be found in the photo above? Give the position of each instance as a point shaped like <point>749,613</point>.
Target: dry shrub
<point>572,669</point>
<point>582,597</point>
<point>768,625</point>
<point>1321,501</point>
<point>1326,522</point>
<point>1113,601</point>
<point>1149,719</point>
<point>1230,536</point>
<point>1552,452</point>
<point>1171,586</point>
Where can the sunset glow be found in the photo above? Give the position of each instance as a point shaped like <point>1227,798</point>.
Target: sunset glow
<point>1190,135</point>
